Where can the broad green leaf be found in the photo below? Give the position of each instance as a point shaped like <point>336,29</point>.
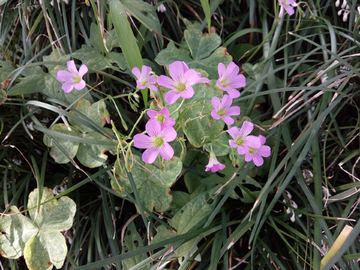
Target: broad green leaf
<point>16,230</point>
<point>180,198</point>
<point>194,212</point>
<point>28,85</point>
<point>53,215</point>
<point>204,51</point>
<point>200,45</point>
<point>5,70</point>
<point>197,128</point>
<point>69,146</point>
<point>144,13</point>
<point>39,238</point>
<point>117,58</point>
<point>152,182</point>
<point>92,58</point>
<point>93,155</point>
<point>97,112</point>
<point>96,40</point>
<point>60,58</point>
<point>45,250</point>
<point>133,241</point>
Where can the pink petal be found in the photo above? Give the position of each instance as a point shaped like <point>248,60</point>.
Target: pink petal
<point>264,151</point>
<point>233,93</point>
<point>203,80</point>
<point>234,133</point>
<point>221,69</point>
<point>153,129</point>
<point>226,101</point>
<point>71,67</point>
<point>68,86</point>
<point>83,69</point>
<point>153,87</point>
<point>228,120</point>
<point>142,141</point>
<point>232,144</point>
<point>164,111</point>
<point>258,160</point>
<point>191,77</point>
<point>246,128</point>
<point>215,115</point>
<point>243,150</point>
<point>172,96</point>
<point>80,85</point>
<point>176,70</point>
<point>281,11</point>
<point>187,93</point>
<point>252,141</point>
<point>64,76</point>
<point>289,10</point>
<point>215,101</point>
<point>235,110</point>
<point>231,71</point>
<point>165,81</point>
<point>150,155</point>
<point>136,72</point>
<point>237,82</point>
<point>152,114</point>
<point>262,139</point>
<point>145,70</point>
<point>166,151</point>
<point>168,134</point>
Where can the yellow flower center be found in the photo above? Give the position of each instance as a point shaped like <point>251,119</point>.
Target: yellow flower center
<point>76,79</point>
<point>159,141</point>
<point>221,112</point>
<point>239,141</point>
<point>160,118</point>
<point>252,151</point>
<point>224,83</point>
<point>181,87</point>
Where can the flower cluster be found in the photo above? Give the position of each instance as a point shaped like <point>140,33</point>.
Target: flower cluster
<point>180,84</point>
<point>160,128</point>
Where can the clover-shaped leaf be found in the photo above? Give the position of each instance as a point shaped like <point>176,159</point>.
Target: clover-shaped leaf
<point>83,141</point>
<point>39,237</point>
<point>153,183</point>
<point>205,52</point>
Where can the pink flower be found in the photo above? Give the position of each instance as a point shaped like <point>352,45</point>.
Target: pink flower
<point>162,117</point>
<point>73,78</point>
<point>256,154</point>
<point>214,165</point>
<point>241,139</point>
<point>181,83</point>
<point>223,109</point>
<point>144,79</point>
<point>155,142</point>
<point>288,6</point>
<point>229,79</point>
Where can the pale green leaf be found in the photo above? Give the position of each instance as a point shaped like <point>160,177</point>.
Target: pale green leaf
<point>45,250</point>
<point>16,230</point>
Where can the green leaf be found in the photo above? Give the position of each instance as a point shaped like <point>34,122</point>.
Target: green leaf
<point>5,70</point>
<point>152,182</point>
<point>28,85</point>
<point>69,146</point>
<point>194,212</point>
<point>96,40</point>
<point>97,112</point>
<point>38,239</point>
<point>204,51</point>
<point>45,250</point>
<point>16,230</point>
<point>3,96</point>
<point>92,58</point>
<point>144,13</point>
<point>92,155</point>
<point>198,129</point>
<point>133,241</point>
<point>55,214</point>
